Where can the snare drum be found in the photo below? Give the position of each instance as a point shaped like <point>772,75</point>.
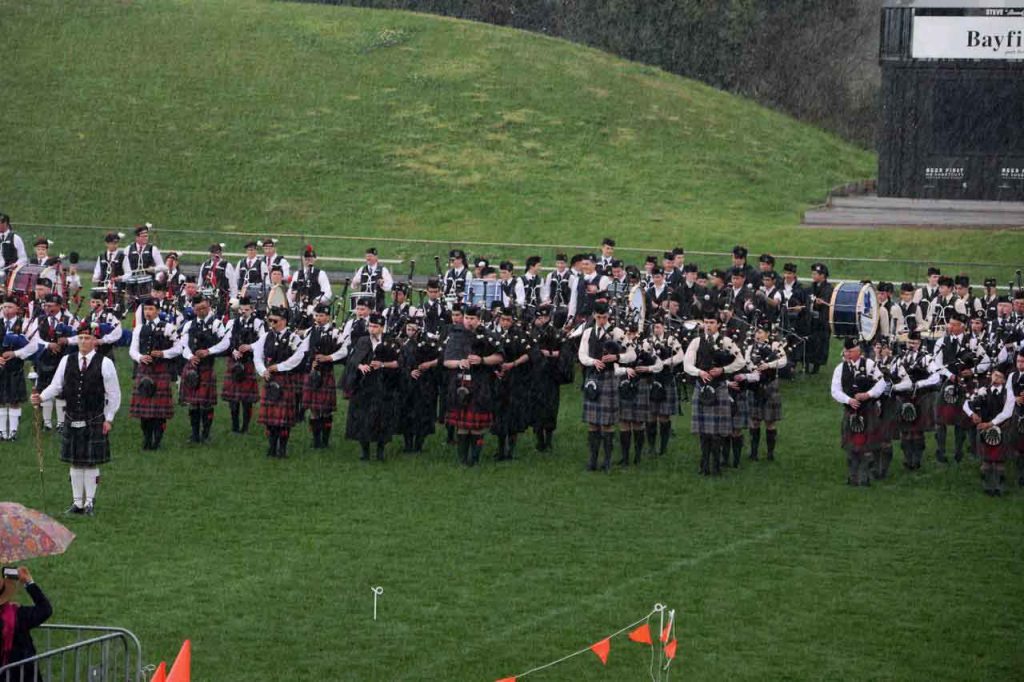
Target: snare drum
<point>357,297</point>
<point>854,311</point>
<point>23,278</point>
<point>137,285</point>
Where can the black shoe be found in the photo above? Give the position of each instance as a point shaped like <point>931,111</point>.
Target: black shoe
<point>90,509</point>
<point>74,510</point>
<point>958,457</point>
<point>771,456</point>
<point>940,457</point>
<point>13,437</point>
<point>47,427</point>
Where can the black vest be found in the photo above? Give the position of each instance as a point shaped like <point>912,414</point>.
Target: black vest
<point>560,292</point>
<point>216,277</point>
<point>153,336</point>
<point>909,317</point>
<point>84,393</point>
<point>8,251</point>
<point>140,260</point>
<point>243,332</point>
<point>111,264</point>
<point>249,274</point>
<point>455,282</point>
<point>531,285</point>
<point>277,348</point>
<point>585,301</point>
<point>307,281</point>
<point>201,335</point>
<point>856,380</point>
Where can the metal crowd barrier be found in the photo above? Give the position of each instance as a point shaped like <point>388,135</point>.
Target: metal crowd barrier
<point>80,653</point>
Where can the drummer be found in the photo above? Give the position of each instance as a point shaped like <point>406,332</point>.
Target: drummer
<point>173,278</point>
<point>110,263</point>
<point>251,270</point>
<point>373,276</point>
<point>141,257</point>
<point>272,259</point>
<point>311,284</point>
<point>12,249</point>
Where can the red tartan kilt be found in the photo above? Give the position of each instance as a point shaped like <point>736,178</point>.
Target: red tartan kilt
<point>280,412</point>
<point>469,420</point>
<point>991,453</point>
<point>203,395</point>
<point>244,390</point>
<point>951,415</point>
<point>323,399</point>
<point>161,405</point>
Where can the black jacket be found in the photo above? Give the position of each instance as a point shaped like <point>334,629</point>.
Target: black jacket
<point>26,618</point>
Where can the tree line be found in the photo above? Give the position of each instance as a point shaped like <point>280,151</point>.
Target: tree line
<point>813,59</point>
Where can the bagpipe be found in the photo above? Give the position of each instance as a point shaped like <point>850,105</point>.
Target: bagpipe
<point>955,388</point>
<point>597,350</point>
<point>552,338</point>
<point>328,342</point>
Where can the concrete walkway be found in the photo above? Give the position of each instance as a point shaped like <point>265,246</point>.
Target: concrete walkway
<point>872,211</point>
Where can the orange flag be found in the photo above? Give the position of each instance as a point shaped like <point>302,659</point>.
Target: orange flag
<point>642,634</point>
<point>161,673</point>
<point>601,649</point>
<point>665,631</point>
<point>507,679</point>
<point>181,671</point>
<point>670,649</point>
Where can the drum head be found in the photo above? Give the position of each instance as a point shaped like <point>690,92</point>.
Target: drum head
<point>854,311</point>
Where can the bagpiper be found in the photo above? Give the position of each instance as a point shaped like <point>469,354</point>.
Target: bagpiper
<point>635,393</point>
<point>955,363</point>
<point>765,357</point>
<point>711,358</point>
<point>154,347</point>
<point>512,413</point>
<point>52,331</point>
<point>324,347</point>
<point>218,279</point>
<point>552,368</point>
<point>664,398</point>
<point>371,385</point>
<point>421,376</point>
<point>15,348</point>
<point>241,390</point>
<point>276,354</point>
<point>202,339</point>
<point>471,356</point>
<point>105,319</point>
<point>990,408</point>
<point>917,391</point>
<point>602,354</point>
<point>856,384</point>
<point>819,299</point>
<point>89,383</point>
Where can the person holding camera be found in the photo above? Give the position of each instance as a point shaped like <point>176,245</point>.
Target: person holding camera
<point>17,622</point>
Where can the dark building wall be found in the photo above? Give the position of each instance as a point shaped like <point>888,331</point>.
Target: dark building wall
<point>950,129</point>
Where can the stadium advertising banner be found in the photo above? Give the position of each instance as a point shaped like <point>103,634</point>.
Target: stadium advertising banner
<point>969,34</point>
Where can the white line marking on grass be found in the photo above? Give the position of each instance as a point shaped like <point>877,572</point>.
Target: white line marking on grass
<point>688,562</point>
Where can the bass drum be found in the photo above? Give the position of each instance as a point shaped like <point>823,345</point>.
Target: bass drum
<point>853,311</point>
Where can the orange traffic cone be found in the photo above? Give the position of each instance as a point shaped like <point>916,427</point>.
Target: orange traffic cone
<point>181,671</point>
<point>161,673</point>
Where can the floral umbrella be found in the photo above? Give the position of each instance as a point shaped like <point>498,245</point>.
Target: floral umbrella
<point>26,534</point>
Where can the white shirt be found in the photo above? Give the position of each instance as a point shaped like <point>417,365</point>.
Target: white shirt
<point>111,387</point>
<point>837,382</point>
<point>133,350</point>
<point>291,363</point>
<point>216,349</point>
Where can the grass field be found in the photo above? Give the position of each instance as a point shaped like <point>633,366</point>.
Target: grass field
<point>777,570</point>
<point>262,116</point>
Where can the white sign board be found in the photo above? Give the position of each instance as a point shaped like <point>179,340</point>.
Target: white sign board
<point>968,37</point>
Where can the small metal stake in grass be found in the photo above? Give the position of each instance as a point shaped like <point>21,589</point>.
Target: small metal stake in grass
<point>377,591</point>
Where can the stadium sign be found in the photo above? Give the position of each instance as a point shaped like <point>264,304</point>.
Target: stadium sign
<point>977,34</point>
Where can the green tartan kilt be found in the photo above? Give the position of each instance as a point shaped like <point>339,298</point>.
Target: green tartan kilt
<point>766,404</point>
<point>84,447</point>
<point>639,408</point>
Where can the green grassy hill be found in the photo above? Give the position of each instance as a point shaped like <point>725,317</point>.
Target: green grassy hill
<point>326,120</point>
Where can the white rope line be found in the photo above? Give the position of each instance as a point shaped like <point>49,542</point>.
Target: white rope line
<point>313,233</point>
<point>657,607</point>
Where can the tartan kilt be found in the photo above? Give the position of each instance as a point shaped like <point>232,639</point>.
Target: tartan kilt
<point>872,435</point>
<point>605,410</point>
<point>86,447</point>
<point>204,394</point>
<point>889,419</point>
<point>926,409</point>
<point>12,383</point>
<point>740,409</point>
<point>161,404</point>
<point>468,419</point>
<point>994,454</point>
<point>281,412</point>
<point>323,400</point>
<point>713,420</point>
<point>640,408</point>
<point>951,415</point>
<point>766,404</point>
<point>244,390</point>
<point>670,405</point>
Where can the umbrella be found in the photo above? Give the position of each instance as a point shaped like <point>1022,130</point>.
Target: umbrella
<point>26,534</point>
